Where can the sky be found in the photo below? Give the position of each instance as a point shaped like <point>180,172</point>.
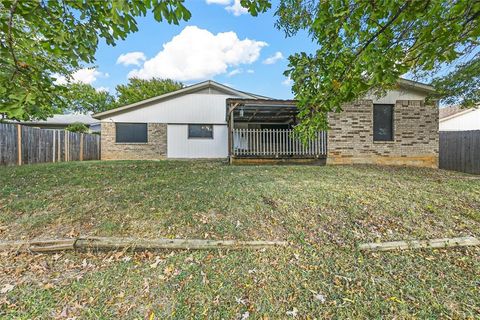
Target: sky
<point>220,42</point>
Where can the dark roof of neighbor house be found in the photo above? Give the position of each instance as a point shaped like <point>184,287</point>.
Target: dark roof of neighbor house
<point>62,119</point>
<point>453,111</point>
<point>241,94</point>
<point>448,111</point>
<point>185,90</point>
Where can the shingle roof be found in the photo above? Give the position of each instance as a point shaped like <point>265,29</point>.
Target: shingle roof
<point>64,119</point>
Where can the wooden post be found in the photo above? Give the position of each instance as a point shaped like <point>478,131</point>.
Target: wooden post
<point>99,149</point>
<point>65,153</point>
<point>53,150</point>
<point>81,146</point>
<point>19,144</point>
<point>58,149</point>
<point>230,132</point>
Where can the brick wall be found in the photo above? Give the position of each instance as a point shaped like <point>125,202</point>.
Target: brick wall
<point>156,148</point>
<point>415,131</point>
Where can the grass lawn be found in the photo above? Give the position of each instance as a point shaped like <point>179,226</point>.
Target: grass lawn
<point>324,212</point>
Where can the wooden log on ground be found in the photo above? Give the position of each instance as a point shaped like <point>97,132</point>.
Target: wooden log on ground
<point>104,243</point>
<point>418,244</point>
<point>53,245</point>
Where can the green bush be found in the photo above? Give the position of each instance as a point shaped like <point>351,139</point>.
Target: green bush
<point>78,127</point>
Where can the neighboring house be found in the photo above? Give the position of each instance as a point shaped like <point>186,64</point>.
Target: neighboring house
<point>210,120</point>
<point>458,119</point>
<point>61,121</point>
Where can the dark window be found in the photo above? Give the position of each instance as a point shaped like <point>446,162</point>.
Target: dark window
<point>131,132</point>
<point>202,131</point>
<point>382,122</point>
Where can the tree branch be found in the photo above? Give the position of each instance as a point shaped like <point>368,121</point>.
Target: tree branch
<point>10,38</point>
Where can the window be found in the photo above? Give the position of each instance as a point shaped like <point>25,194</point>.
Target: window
<point>131,133</point>
<point>200,131</point>
<point>382,122</point>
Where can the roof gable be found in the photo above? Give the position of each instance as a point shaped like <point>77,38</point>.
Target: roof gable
<point>206,87</point>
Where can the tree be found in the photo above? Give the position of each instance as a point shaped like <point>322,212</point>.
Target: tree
<point>461,86</point>
<point>84,98</point>
<point>138,89</point>
<point>41,41</point>
<point>365,46</point>
<point>78,127</point>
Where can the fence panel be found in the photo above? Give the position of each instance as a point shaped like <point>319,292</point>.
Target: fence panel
<point>26,145</point>
<point>460,151</point>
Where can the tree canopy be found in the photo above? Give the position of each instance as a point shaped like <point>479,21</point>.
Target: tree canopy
<point>83,98</point>
<point>41,41</point>
<point>365,46</point>
<point>462,85</point>
<point>140,89</point>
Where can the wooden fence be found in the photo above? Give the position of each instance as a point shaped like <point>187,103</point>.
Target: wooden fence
<point>277,143</point>
<point>25,145</point>
<point>460,151</point>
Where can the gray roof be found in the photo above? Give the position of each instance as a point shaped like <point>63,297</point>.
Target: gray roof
<point>64,119</point>
<point>446,113</point>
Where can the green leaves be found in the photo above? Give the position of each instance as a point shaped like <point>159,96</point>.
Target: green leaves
<point>84,98</point>
<point>140,89</point>
<point>365,46</point>
<point>461,86</point>
<point>44,40</point>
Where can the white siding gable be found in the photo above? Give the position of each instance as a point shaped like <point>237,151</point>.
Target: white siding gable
<point>467,121</point>
<point>202,108</point>
<point>392,96</point>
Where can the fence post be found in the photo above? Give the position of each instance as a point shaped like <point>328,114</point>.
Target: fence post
<point>65,153</point>
<point>19,144</point>
<point>81,146</point>
<point>53,150</point>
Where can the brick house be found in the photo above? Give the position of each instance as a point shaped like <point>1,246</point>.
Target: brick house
<point>210,120</point>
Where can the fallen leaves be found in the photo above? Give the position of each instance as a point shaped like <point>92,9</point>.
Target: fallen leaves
<point>293,312</point>
<point>7,288</point>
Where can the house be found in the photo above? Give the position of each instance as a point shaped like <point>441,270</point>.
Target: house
<point>61,121</point>
<point>211,120</point>
<point>458,119</point>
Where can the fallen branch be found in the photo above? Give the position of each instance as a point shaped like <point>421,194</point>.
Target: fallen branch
<point>104,243</point>
<point>418,244</point>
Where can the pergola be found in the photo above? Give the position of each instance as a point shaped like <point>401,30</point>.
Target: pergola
<point>261,110</point>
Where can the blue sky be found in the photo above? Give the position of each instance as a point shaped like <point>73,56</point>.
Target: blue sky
<point>197,50</point>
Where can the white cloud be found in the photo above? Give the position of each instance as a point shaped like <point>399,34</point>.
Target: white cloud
<point>103,89</point>
<point>222,2</point>
<point>196,54</point>
<point>273,59</point>
<point>85,75</point>
<point>250,71</point>
<point>236,8</point>
<point>287,82</point>
<point>234,72</point>
<point>131,58</point>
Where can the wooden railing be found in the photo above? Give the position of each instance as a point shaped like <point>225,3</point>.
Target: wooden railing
<point>276,143</point>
